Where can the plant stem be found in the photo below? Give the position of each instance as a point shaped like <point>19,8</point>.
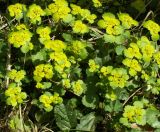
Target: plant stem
<point>131,96</point>
<point>8,64</point>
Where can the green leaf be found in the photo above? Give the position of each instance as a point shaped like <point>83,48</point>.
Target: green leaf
<point>120,49</point>
<point>68,18</point>
<point>115,106</point>
<point>109,38</point>
<point>152,117</point>
<point>90,100</point>
<point>83,54</point>
<point>25,48</point>
<point>124,121</point>
<point>65,117</point>
<point>41,55</point>
<point>67,37</point>
<point>47,85</point>
<point>120,39</point>
<point>118,106</point>
<point>87,123</point>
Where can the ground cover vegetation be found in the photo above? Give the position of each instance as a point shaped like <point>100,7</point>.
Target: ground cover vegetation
<point>79,65</point>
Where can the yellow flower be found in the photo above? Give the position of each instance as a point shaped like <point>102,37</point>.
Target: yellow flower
<point>17,10</point>
<point>39,85</point>
<point>77,46</point>
<point>80,27</point>
<point>153,27</point>
<point>118,78</point>
<point>44,33</point>
<point>93,67</point>
<point>106,70</point>
<point>91,18</point>
<point>46,100</point>
<point>58,10</point>
<point>17,76</point>
<point>14,95</point>
<point>78,87</point>
<point>56,45</point>
<point>145,76</point>
<point>133,65</point>
<point>112,96</point>
<point>85,13</point>
<point>157,57</point>
<point>21,27</point>
<point>147,48</point>
<point>19,38</point>
<point>127,20</point>
<point>75,9</point>
<point>43,71</point>
<point>133,51</point>
<point>34,13</point>
<point>60,58</point>
<point>111,24</point>
<point>56,99</point>
<point>97,3</point>
<point>66,83</point>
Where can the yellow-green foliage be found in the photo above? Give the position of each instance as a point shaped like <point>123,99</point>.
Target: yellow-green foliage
<point>67,58</point>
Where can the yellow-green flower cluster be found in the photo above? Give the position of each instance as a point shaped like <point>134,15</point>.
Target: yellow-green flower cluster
<point>84,13</point>
<point>47,100</point>
<point>55,45</point>
<point>118,78</point>
<point>43,71</point>
<point>77,46</point>
<point>44,33</point>
<point>157,58</point>
<point>127,20</point>
<point>133,65</point>
<point>93,67</point>
<point>106,70</point>
<point>59,57</point>
<point>112,96</point>
<point>66,83</point>
<point>14,95</point>
<point>78,87</point>
<point>133,51</point>
<point>111,24</point>
<point>147,48</point>
<point>145,76</point>
<point>59,10</point>
<point>34,13</point>
<point>21,27</point>
<point>80,27</point>
<point>20,38</point>
<point>134,114</point>
<point>39,85</point>
<point>61,61</point>
<point>154,29</point>
<point>97,3</point>
<point>15,75</point>
<point>17,10</point>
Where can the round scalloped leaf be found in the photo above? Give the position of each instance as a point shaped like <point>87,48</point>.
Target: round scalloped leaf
<point>90,101</point>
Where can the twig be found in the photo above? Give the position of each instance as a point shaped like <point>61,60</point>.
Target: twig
<point>148,14</point>
<point>7,24</point>
<point>132,96</point>
<point>91,39</point>
<point>8,63</point>
<point>96,30</point>
<point>21,118</point>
